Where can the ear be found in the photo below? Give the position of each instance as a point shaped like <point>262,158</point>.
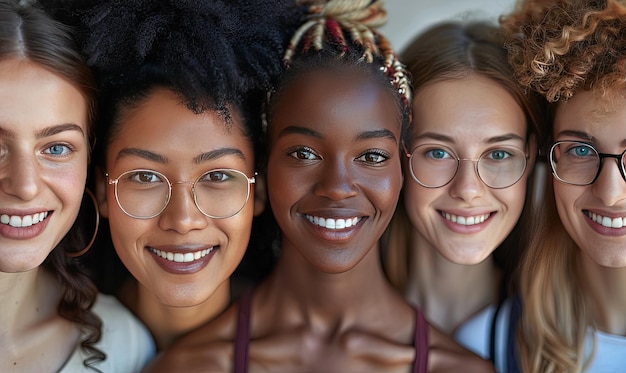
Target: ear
<point>260,195</point>
<point>101,193</point>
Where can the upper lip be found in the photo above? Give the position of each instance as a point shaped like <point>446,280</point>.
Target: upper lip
<point>618,214</point>
<point>335,213</point>
<point>182,248</point>
<point>466,212</point>
<point>22,212</point>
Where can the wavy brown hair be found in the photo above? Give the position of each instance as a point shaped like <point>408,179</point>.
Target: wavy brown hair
<point>28,32</point>
<point>558,48</point>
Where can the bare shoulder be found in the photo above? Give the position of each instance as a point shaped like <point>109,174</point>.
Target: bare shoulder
<point>207,349</point>
<point>446,355</point>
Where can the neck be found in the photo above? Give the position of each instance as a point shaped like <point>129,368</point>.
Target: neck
<point>27,298</point>
<point>168,323</point>
<point>329,298</point>
<point>449,293</point>
<point>607,287</point>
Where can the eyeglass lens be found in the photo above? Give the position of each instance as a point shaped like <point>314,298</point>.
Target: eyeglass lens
<point>434,166</point>
<point>218,193</point>
<point>578,163</point>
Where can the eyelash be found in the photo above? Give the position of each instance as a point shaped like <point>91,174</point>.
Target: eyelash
<point>301,149</point>
<point>70,150</point>
<point>378,152</point>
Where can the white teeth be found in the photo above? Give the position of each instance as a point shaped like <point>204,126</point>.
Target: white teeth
<point>466,220</point>
<point>605,221</point>
<point>330,223</point>
<point>181,257</point>
<point>25,221</point>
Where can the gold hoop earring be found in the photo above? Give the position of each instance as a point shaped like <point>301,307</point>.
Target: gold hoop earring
<point>95,233</point>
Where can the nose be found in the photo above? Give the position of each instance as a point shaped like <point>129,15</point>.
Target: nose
<point>21,177</point>
<point>610,186</point>
<point>466,185</point>
<point>181,213</point>
<point>336,181</point>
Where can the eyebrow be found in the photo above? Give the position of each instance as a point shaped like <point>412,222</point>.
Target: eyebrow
<point>377,134</point>
<point>48,131</point>
<point>155,157</point>
<point>141,153</point>
<point>382,133</point>
<point>218,153</point>
<point>53,130</point>
<point>299,131</point>
<point>579,134</point>
<point>491,140</point>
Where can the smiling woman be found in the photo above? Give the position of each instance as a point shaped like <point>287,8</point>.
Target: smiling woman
<point>182,84</point>
<point>335,125</point>
<point>52,319</point>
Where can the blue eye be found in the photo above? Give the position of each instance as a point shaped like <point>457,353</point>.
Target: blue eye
<point>582,151</point>
<point>438,154</point>
<point>499,155</point>
<point>57,150</point>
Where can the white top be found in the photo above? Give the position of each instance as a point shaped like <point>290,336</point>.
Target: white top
<point>475,334</point>
<point>610,354</point>
<point>126,342</point>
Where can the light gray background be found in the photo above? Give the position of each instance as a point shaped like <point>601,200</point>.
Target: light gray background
<point>406,18</point>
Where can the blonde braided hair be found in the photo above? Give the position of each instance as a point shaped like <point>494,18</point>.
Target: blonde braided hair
<point>330,20</point>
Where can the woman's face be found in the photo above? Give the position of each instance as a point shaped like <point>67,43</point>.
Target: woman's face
<point>181,255</point>
<point>43,162</point>
<point>465,220</point>
<point>595,215</point>
<point>334,172</point>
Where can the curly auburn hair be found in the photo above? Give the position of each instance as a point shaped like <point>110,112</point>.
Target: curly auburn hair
<point>557,47</point>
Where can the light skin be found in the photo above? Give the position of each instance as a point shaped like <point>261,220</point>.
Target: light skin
<point>470,116</point>
<point>43,166</point>
<point>334,154</point>
<point>162,134</point>
<point>603,248</point>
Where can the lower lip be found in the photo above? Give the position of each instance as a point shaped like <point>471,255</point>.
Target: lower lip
<point>466,229</point>
<point>335,235</point>
<point>605,231</point>
<point>186,268</point>
<point>25,233</point>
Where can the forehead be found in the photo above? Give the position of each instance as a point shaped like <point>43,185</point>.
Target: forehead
<point>163,123</point>
<point>335,96</point>
<point>586,112</point>
<point>466,108</point>
<point>32,97</point>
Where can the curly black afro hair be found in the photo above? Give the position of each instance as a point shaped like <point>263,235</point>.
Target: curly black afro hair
<point>216,55</point>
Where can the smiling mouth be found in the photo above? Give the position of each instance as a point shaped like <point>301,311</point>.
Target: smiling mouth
<point>182,257</point>
<point>465,220</point>
<point>333,223</point>
<point>606,221</point>
<point>25,221</point>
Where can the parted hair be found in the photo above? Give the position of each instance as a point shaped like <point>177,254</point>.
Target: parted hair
<point>335,33</point>
<point>28,32</point>
<point>558,48</point>
<point>450,51</point>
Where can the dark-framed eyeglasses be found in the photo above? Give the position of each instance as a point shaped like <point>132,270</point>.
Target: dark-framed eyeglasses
<point>579,163</point>
<point>434,165</point>
<point>218,194</point>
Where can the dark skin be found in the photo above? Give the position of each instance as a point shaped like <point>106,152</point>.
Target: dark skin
<point>334,154</point>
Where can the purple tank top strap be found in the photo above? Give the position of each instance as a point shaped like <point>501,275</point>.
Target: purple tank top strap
<point>420,365</point>
<point>243,333</point>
